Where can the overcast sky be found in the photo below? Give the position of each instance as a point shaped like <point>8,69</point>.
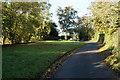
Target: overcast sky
<point>79,5</point>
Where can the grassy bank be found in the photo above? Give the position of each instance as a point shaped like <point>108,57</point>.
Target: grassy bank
<point>26,60</point>
<point>110,52</point>
<point>111,56</point>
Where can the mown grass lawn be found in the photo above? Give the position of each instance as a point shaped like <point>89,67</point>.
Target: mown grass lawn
<point>26,60</point>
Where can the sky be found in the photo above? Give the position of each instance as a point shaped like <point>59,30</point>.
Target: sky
<point>79,5</point>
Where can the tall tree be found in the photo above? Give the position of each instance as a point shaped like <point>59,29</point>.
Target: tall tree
<point>21,20</point>
<point>84,28</point>
<point>66,18</point>
<point>53,35</point>
<point>105,16</point>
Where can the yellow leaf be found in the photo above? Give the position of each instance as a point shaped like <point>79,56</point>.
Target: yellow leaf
<point>49,70</point>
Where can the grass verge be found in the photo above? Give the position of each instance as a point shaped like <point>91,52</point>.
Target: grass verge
<point>26,60</point>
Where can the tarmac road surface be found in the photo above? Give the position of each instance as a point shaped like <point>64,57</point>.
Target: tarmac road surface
<point>85,63</point>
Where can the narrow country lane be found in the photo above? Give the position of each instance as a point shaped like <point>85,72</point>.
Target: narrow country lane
<point>85,63</point>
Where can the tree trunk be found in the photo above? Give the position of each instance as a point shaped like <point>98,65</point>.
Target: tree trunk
<point>4,38</point>
<point>12,41</point>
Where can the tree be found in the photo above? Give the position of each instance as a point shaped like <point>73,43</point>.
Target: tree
<point>67,18</point>
<point>8,16</point>
<point>84,28</point>
<point>53,35</point>
<point>21,20</point>
<point>105,16</point>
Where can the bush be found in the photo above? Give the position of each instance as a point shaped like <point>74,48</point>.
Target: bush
<point>51,38</point>
<point>68,37</point>
<point>62,37</point>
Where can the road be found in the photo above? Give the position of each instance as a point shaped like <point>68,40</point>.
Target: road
<point>84,63</point>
